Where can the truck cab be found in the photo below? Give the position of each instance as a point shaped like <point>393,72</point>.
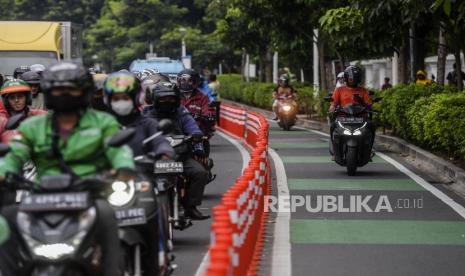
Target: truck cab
<point>32,42</point>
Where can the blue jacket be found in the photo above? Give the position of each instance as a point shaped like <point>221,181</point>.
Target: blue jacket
<point>184,120</point>
<point>207,91</point>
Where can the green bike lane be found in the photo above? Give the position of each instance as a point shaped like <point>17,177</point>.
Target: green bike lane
<point>379,222</point>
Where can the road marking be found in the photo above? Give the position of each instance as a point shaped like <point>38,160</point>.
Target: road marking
<point>299,145</point>
<point>245,161</point>
<point>354,184</point>
<point>281,258</point>
<point>369,231</point>
<point>418,179</point>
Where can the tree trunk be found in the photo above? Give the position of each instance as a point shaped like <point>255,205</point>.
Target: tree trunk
<point>458,62</point>
<point>442,55</point>
<point>243,65</point>
<point>321,61</point>
<point>261,70</point>
<point>403,64</point>
<point>269,67</point>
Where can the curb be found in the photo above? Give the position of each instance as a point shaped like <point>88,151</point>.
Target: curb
<point>453,176</point>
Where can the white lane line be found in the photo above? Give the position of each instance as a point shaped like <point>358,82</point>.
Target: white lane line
<point>427,186</point>
<point>245,161</point>
<point>281,258</point>
<point>306,129</point>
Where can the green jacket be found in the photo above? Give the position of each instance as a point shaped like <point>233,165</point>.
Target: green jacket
<point>4,230</point>
<point>85,151</point>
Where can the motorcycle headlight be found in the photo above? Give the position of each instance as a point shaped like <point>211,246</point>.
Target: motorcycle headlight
<point>122,194</point>
<point>358,131</point>
<point>287,108</point>
<point>346,130</point>
<point>53,251</point>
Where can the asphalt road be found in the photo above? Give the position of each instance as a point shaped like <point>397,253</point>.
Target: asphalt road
<point>420,235</point>
<point>191,245</point>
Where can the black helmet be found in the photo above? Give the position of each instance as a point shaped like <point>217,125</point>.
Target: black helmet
<point>19,71</point>
<point>188,80</point>
<point>284,80</point>
<point>165,89</point>
<point>67,74</point>
<point>149,82</point>
<point>31,77</point>
<point>352,76</point>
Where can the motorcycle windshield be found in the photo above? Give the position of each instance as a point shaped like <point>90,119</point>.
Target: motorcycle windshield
<point>354,109</point>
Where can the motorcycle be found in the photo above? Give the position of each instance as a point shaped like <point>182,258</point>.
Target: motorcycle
<point>56,220</point>
<point>352,137</point>
<point>287,113</point>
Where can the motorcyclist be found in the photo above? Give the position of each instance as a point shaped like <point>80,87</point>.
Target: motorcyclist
<point>166,105</point>
<point>283,91</point>
<point>350,94</point>
<point>122,95</point>
<point>19,71</point>
<point>195,101</point>
<point>422,79</point>
<point>147,85</point>
<point>70,139</point>
<point>97,96</point>
<point>16,98</point>
<point>33,79</point>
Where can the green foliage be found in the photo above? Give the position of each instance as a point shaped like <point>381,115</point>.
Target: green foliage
<point>430,116</point>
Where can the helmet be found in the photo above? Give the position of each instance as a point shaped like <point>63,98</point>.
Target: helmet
<point>99,79</point>
<point>122,82</point>
<point>12,87</point>
<point>352,76</point>
<point>284,80</point>
<point>146,72</point>
<point>149,82</point>
<point>340,76</point>
<point>421,73</point>
<point>165,89</point>
<point>19,71</point>
<point>67,74</point>
<point>188,80</point>
<point>31,77</point>
<point>38,68</point>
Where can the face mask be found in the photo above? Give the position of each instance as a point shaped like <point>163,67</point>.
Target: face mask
<point>122,108</point>
<point>65,103</point>
<point>167,107</point>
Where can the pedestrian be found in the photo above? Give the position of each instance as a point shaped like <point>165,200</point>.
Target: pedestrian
<point>422,79</point>
<point>214,85</point>
<point>452,77</point>
<point>387,84</point>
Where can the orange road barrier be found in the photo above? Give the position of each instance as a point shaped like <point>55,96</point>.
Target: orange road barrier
<point>238,228</point>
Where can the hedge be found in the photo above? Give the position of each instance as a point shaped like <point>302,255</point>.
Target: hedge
<point>430,116</point>
<point>260,94</point>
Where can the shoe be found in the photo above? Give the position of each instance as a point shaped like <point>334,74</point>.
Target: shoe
<point>194,214</point>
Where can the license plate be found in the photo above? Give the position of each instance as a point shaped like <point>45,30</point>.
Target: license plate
<point>165,167</point>
<point>132,216</point>
<point>353,120</point>
<point>55,202</point>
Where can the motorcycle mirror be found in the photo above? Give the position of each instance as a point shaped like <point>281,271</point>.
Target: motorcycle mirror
<point>4,149</point>
<point>122,137</point>
<point>14,121</point>
<point>378,99</point>
<point>165,126</point>
<point>328,99</point>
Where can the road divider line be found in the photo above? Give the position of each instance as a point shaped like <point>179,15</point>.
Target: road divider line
<point>281,256</point>
<point>418,179</point>
<point>245,161</point>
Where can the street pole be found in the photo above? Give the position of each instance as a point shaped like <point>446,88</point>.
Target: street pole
<point>316,75</point>
<point>275,67</point>
<point>220,69</point>
<point>302,79</point>
<point>247,68</point>
<point>395,69</point>
<point>183,48</point>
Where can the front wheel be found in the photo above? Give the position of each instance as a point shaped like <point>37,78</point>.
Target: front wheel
<point>351,161</point>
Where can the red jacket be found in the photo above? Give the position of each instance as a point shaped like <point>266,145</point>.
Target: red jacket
<point>6,135</point>
<point>199,104</point>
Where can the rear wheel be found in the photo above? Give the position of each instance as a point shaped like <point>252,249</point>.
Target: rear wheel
<point>351,161</point>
